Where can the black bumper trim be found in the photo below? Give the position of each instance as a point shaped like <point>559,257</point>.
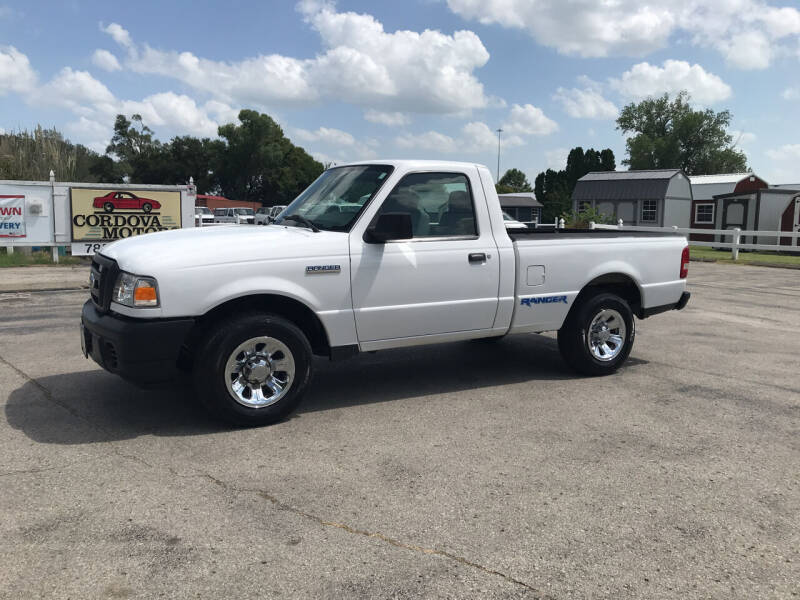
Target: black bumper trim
<point>141,350</point>
<point>655,310</point>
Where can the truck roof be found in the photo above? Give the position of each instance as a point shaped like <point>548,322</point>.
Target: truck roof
<point>414,164</point>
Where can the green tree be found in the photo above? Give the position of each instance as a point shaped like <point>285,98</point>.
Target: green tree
<point>105,170</point>
<point>670,134</point>
<point>514,180</point>
<point>258,163</point>
<point>554,188</point>
<point>31,155</point>
<point>141,158</point>
<point>189,156</point>
<point>553,192</point>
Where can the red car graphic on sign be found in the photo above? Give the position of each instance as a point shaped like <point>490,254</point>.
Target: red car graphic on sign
<point>114,200</point>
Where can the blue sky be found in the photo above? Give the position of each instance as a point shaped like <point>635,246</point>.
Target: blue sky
<point>422,78</point>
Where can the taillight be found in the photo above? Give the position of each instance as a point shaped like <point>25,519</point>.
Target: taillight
<point>685,262</point>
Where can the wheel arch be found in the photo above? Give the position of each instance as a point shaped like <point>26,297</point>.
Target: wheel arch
<point>289,308</point>
<point>618,283</point>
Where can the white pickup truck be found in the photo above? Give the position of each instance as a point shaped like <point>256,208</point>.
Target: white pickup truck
<point>371,256</point>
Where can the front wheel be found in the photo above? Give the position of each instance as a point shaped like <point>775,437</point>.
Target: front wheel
<point>253,369</point>
<point>108,207</point>
<point>147,207</point>
<point>598,335</point>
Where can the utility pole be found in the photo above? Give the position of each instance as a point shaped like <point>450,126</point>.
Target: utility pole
<point>499,131</point>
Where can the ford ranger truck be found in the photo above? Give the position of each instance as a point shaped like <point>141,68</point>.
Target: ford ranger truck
<point>374,255</point>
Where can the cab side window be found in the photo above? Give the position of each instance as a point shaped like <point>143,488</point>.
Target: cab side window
<point>440,204</point>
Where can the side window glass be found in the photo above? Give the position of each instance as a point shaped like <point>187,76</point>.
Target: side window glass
<point>440,204</point>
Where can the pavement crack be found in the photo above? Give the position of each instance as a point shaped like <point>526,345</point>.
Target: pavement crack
<point>43,469</point>
<point>281,505</point>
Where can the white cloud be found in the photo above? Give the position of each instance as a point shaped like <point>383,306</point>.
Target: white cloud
<point>391,119</point>
<point>557,158</point>
<point>749,50</point>
<point>644,80</point>
<point>529,120</point>
<point>475,137</point>
<point>76,90</point>
<point>787,152</point>
<point>221,112</point>
<point>748,33</point>
<point>361,64</point>
<point>478,137</point>
<point>119,34</point>
<point>327,135</point>
<point>430,140</point>
<point>96,106</point>
<point>105,60</point>
<point>16,74</point>
<point>173,112</point>
<point>585,104</point>
<point>583,27</point>
<point>90,133</point>
<point>791,93</point>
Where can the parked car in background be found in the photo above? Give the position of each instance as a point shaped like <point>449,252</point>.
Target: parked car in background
<point>262,215</point>
<point>203,216</point>
<point>275,211</point>
<point>236,216</point>
<point>511,223</point>
<point>125,200</point>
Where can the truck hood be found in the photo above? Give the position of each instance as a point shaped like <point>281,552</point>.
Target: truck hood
<point>153,253</point>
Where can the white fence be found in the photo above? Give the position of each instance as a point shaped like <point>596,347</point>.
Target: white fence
<point>735,234</point>
<point>557,224</point>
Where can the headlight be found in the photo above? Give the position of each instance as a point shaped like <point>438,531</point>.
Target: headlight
<point>135,291</point>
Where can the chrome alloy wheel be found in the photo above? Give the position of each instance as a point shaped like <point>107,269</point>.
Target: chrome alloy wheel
<point>259,372</point>
<point>606,335</point>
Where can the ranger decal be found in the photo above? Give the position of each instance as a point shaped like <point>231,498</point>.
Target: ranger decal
<point>544,300</point>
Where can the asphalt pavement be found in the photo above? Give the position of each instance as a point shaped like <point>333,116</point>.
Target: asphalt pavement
<point>466,470</point>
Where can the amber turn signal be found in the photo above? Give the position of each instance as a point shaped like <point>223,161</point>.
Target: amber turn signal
<point>145,294</point>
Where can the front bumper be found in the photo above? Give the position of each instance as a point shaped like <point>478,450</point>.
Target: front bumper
<point>144,351</point>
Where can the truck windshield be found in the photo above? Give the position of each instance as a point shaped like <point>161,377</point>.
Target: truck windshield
<point>244,211</point>
<point>335,200</point>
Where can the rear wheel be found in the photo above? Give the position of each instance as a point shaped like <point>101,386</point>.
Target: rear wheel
<point>108,207</point>
<point>253,369</point>
<point>598,335</point>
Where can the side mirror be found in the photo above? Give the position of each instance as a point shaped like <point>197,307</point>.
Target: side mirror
<point>389,227</point>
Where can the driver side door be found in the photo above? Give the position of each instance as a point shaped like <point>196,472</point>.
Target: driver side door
<point>442,281</point>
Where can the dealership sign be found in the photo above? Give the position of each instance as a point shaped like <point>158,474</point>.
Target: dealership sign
<point>106,215</point>
<point>12,216</point>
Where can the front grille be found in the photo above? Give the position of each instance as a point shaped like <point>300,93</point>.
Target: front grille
<point>104,273</point>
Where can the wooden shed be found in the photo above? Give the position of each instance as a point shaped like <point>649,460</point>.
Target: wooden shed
<point>656,198</point>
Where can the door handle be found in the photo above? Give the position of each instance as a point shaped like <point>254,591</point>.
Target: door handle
<point>477,257</point>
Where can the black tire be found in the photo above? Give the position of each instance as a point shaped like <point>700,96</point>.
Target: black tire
<point>573,337</point>
<point>222,340</point>
<point>147,207</point>
<point>108,207</point>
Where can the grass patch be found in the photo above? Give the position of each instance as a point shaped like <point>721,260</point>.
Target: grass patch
<point>745,258</point>
<point>18,259</point>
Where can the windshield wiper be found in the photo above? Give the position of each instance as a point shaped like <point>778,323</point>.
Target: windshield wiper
<point>301,219</point>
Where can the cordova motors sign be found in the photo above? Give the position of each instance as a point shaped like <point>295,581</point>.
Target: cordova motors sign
<point>104,215</point>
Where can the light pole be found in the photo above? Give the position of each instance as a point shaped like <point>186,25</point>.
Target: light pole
<point>499,131</point>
